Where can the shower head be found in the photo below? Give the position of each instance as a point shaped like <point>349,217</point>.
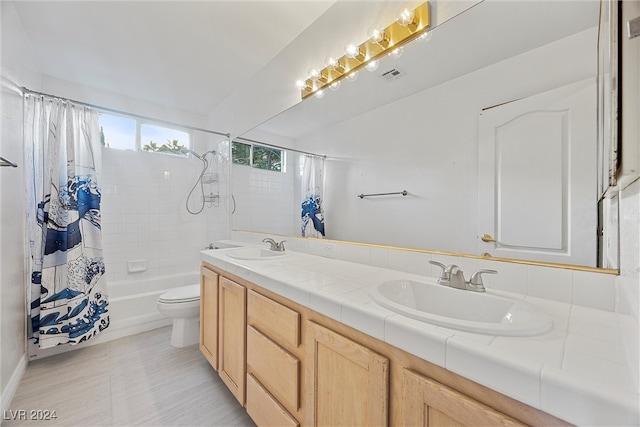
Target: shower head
<point>187,151</point>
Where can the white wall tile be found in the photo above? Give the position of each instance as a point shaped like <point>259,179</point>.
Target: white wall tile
<point>511,277</point>
<point>550,283</point>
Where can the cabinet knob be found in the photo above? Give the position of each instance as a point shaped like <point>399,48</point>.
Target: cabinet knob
<point>487,238</point>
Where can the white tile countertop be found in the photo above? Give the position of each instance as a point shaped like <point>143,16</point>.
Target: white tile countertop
<point>577,372</point>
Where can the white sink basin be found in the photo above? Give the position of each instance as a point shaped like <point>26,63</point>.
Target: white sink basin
<point>254,253</point>
<point>469,311</point>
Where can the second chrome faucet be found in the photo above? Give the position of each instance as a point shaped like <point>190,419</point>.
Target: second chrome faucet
<point>453,277</point>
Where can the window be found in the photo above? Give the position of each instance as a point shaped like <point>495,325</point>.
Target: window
<point>162,139</point>
<point>126,133</point>
<point>241,153</point>
<point>257,156</point>
<point>117,132</point>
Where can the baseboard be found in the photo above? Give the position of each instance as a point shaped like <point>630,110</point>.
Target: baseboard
<point>12,386</point>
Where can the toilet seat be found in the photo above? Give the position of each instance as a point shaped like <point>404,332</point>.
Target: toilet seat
<point>183,294</point>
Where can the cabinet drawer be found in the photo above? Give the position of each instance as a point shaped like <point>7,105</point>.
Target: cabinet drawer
<point>264,409</point>
<point>278,322</point>
<point>275,368</point>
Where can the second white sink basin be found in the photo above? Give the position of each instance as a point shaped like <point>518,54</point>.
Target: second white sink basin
<point>254,253</point>
<point>469,311</point>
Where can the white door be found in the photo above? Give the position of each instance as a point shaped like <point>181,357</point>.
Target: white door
<point>537,177</point>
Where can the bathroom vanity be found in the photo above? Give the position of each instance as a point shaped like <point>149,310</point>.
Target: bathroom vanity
<point>297,350</point>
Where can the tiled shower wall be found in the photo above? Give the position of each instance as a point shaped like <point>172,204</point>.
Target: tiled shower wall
<point>144,218</point>
<point>264,200</point>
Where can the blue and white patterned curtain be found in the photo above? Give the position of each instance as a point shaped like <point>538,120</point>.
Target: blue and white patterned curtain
<point>68,300</point>
<point>312,196</point>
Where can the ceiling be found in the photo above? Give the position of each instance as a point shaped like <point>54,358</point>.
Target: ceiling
<point>188,55</point>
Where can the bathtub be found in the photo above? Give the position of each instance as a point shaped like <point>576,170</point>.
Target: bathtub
<point>132,310</point>
<point>132,303</point>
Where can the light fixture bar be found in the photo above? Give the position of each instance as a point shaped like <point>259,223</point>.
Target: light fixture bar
<point>396,35</point>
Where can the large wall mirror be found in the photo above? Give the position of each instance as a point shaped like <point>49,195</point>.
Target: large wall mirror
<point>495,126</point>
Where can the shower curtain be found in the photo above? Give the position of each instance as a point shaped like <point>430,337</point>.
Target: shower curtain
<point>68,300</point>
<point>312,193</point>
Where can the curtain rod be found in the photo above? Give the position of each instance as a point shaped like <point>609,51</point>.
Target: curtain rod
<point>282,148</point>
<point>138,116</point>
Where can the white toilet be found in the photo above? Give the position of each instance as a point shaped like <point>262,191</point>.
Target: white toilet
<point>183,305</point>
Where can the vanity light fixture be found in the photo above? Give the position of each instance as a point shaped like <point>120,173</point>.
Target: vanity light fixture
<point>411,24</point>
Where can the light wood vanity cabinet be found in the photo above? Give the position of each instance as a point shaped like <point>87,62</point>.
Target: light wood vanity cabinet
<point>347,383</point>
<point>298,367</point>
<point>428,403</point>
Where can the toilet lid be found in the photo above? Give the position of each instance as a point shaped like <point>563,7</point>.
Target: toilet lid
<point>182,294</point>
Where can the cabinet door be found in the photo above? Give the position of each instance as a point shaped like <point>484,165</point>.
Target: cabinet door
<point>428,403</point>
<point>209,316</point>
<point>347,383</point>
<point>231,336</point>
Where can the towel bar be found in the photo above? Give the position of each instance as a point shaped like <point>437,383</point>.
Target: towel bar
<point>403,192</point>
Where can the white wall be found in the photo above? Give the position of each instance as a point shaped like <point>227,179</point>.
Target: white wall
<point>17,69</point>
<point>427,144</point>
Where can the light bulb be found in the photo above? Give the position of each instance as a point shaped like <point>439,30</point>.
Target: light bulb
<point>332,63</point>
<point>406,17</point>
<point>379,37</point>
<point>300,84</point>
<point>352,51</point>
<point>314,74</point>
<point>352,76</point>
<point>397,52</point>
<point>335,85</point>
<point>319,94</point>
<point>372,65</point>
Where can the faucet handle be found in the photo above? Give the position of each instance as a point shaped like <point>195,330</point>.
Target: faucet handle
<point>444,275</point>
<point>439,264</point>
<point>281,246</point>
<point>476,278</point>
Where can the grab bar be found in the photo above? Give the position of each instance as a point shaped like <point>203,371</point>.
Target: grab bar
<point>5,162</point>
<point>403,192</point>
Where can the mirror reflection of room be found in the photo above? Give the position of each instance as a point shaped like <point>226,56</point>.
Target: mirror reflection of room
<point>497,147</point>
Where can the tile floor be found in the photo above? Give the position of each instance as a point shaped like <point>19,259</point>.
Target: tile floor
<point>134,381</point>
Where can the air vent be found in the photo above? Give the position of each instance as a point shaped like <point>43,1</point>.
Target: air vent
<point>392,74</point>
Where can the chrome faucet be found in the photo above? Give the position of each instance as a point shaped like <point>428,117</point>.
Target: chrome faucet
<point>275,246</point>
<point>453,277</point>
